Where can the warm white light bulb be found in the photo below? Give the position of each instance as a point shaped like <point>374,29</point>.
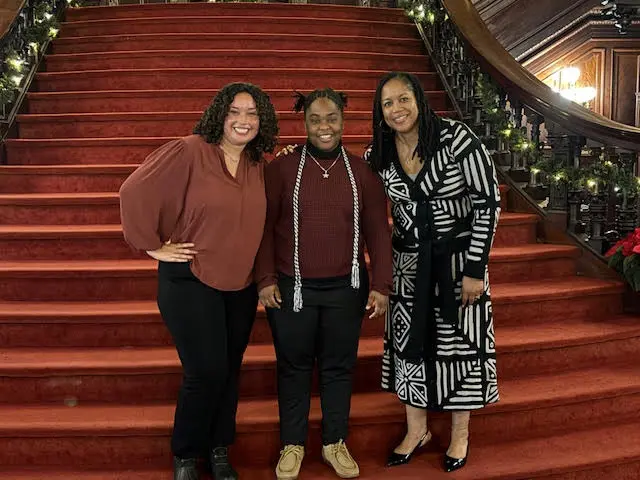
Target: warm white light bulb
<point>570,74</point>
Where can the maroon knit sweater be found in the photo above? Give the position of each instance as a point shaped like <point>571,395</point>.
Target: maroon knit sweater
<point>326,220</point>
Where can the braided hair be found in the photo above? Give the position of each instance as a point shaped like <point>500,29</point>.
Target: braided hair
<point>383,147</point>
<point>211,124</point>
<point>303,102</point>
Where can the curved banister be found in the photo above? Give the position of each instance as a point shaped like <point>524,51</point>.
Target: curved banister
<point>7,22</point>
<point>523,85</point>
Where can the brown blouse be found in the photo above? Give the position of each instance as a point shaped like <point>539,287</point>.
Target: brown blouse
<point>183,192</point>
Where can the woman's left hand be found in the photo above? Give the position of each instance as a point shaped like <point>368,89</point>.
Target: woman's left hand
<point>472,290</point>
<point>378,302</point>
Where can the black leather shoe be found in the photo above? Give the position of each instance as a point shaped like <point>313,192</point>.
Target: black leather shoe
<point>396,459</point>
<point>452,464</point>
<point>185,469</point>
<point>220,466</point>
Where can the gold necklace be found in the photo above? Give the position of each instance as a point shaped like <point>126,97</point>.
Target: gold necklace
<point>229,157</point>
<point>325,173</point>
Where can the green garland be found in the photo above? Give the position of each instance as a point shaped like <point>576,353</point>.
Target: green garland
<point>17,64</point>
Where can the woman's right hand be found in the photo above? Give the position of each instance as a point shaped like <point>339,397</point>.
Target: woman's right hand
<point>270,296</point>
<point>173,252</point>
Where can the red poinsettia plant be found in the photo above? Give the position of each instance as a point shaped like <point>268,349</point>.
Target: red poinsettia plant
<point>624,257</point>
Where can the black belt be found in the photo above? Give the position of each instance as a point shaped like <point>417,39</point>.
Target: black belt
<point>434,266</point>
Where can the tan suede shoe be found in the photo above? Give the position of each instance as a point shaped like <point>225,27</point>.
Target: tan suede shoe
<point>290,461</point>
<point>337,456</point>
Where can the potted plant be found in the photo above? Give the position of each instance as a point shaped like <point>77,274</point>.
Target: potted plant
<point>624,257</point>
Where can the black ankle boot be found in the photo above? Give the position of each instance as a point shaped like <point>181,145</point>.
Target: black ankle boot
<point>220,466</point>
<point>185,469</point>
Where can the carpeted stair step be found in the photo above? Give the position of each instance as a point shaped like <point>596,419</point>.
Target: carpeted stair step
<point>232,41</point>
<point>566,298</point>
<point>107,324</point>
<point>105,242</point>
<point>62,178</point>
<point>567,456</point>
<point>532,261</point>
<point>515,228</point>
<point>182,100</point>
<point>121,435</point>
<point>535,302</point>
<point>292,57</point>
<point>78,280</point>
<point>200,78</point>
<point>136,279</point>
<point>111,323</point>
<point>226,9</point>
<point>165,124</point>
<point>143,374</point>
<point>59,208</point>
<point>247,24</point>
<point>125,150</point>
<point>65,242</point>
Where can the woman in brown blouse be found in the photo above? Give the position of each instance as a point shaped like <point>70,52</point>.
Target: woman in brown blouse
<point>197,204</point>
<point>323,205</point>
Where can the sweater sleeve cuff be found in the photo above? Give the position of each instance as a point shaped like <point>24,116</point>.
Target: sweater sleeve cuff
<point>474,270</point>
<point>267,282</point>
<point>382,289</point>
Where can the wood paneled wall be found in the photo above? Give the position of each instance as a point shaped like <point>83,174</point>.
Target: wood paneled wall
<point>522,25</point>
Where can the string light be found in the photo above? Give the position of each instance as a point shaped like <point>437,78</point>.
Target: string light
<point>43,28</point>
<point>16,63</point>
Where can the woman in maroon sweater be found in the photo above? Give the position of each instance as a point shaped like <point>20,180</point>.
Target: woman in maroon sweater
<point>323,205</point>
<point>197,204</point>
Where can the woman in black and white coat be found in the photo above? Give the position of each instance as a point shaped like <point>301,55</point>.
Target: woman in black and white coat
<point>439,346</point>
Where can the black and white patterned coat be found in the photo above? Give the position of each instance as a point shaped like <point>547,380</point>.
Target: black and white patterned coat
<point>444,224</point>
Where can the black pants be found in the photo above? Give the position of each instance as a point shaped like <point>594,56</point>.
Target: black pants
<point>210,329</point>
<point>327,329</point>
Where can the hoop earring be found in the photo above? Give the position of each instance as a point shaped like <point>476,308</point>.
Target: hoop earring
<point>384,127</point>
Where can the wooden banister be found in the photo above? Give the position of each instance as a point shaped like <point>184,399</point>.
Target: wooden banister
<point>9,9</point>
<point>523,85</point>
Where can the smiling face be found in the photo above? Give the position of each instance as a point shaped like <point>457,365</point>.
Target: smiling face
<point>324,123</point>
<point>399,106</point>
<point>242,123</point>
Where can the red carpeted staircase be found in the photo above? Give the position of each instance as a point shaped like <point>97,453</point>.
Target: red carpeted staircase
<point>88,377</point>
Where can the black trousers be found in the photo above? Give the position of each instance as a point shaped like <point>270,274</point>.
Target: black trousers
<point>210,329</point>
<point>327,329</point>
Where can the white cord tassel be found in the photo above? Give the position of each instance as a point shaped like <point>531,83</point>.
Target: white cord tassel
<point>297,297</point>
<point>297,285</point>
<point>355,264</point>
<point>355,276</point>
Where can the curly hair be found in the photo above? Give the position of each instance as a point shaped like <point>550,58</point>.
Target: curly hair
<point>211,124</point>
<point>383,147</point>
<point>303,102</point>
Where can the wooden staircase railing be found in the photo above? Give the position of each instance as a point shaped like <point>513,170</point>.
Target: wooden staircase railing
<point>530,128</point>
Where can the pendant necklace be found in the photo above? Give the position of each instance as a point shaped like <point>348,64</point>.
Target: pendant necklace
<point>325,171</point>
